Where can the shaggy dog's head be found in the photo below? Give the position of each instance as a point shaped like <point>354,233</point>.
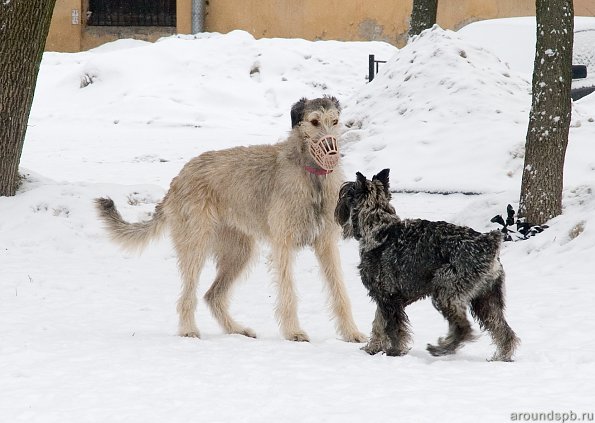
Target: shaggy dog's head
<point>317,124</point>
<point>362,198</point>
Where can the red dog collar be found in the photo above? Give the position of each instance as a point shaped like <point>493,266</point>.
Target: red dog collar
<point>318,172</point>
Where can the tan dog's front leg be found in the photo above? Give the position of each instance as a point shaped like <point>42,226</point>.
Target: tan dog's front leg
<point>327,253</point>
<point>286,309</point>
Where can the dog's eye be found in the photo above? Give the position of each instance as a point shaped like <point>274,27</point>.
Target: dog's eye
<point>315,122</point>
<point>335,121</point>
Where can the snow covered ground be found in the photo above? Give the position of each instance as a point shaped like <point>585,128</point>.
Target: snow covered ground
<point>87,333</point>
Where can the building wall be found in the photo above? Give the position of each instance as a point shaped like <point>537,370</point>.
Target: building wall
<point>455,14</point>
<point>65,35</point>
<point>184,16</point>
<point>312,19</point>
<point>352,20</point>
<point>348,20</point>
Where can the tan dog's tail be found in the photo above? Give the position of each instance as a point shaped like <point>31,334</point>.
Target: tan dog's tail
<point>130,236</point>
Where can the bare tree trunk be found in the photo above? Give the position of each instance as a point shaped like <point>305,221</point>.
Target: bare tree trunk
<point>24,25</point>
<point>423,16</point>
<point>549,119</point>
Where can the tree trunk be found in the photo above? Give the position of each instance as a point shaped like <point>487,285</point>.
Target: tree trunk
<point>24,26</point>
<point>549,119</point>
<point>423,16</point>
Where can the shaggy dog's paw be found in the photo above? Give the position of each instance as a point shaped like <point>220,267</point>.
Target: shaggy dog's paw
<point>395,352</point>
<point>439,350</point>
<point>497,357</point>
<point>469,336</point>
<point>372,348</point>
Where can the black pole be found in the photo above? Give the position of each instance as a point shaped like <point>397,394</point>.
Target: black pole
<point>370,67</point>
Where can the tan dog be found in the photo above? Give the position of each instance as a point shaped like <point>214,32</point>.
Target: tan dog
<point>223,202</point>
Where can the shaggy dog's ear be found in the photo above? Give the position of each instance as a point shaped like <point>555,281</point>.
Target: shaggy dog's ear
<point>361,181</point>
<point>335,102</point>
<point>297,112</point>
<point>342,211</point>
<point>382,176</point>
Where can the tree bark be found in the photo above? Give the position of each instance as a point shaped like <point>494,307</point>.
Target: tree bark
<point>24,25</point>
<point>423,16</point>
<point>549,119</point>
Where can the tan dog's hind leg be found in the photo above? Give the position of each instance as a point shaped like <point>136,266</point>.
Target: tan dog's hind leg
<point>233,252</point>
<point>192,253</point>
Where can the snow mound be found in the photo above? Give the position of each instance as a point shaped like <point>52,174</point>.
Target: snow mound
<point>439,75</point>
<point>179,81</point>
<point>121,44</point>
<point>440,89</point>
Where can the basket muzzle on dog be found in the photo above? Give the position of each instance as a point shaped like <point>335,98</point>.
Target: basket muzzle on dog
<point>325,152</point>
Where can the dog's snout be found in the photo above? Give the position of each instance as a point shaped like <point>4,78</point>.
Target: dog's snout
<point>325,152</point>
<point>329,144</point>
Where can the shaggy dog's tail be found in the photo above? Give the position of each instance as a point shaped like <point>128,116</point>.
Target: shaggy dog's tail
<point>130,236</point>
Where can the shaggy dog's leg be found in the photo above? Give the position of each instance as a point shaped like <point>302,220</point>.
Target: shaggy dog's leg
<point>286,310</point>
<point>327,254</point>
<point>459,328</point>
<point>233,251</point>
<point>378,340</point>
<point>396,327</point>
<point>191,257</point>
<point>488,309</point>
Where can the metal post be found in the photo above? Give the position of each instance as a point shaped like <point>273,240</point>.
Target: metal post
<point>198,16</point>
<point>370,67</point>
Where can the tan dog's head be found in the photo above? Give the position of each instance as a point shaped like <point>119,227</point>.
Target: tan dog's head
<point>317,123</point>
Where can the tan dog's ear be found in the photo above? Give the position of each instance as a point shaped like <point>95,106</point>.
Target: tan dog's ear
<point>335,102</point>
<point>297,112</point>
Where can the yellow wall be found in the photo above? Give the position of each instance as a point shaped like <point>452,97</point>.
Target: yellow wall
<point>311,19</point>
<point>64,35</point>
<point>455,14</point>
<point>184,16</point>
<point>386,20</point>
<point>68,37</point>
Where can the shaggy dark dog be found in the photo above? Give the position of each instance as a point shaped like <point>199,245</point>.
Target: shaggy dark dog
<point>403,261</point>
